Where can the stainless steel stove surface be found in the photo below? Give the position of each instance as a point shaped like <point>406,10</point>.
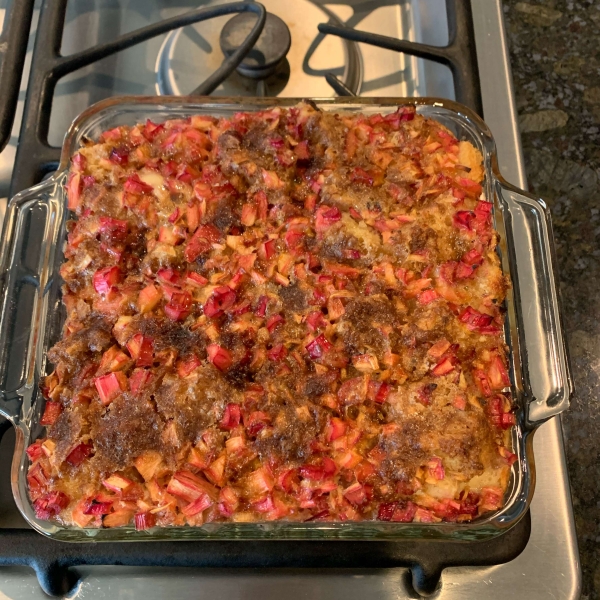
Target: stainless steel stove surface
<point>177,62</point>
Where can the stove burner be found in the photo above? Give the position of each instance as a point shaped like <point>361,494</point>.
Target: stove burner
<point>187,54</point>
<point>268,52</point>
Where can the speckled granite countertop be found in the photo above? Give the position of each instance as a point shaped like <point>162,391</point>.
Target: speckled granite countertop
<point>555,55</point>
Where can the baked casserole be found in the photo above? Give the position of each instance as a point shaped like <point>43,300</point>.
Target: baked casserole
<point>285,315</point>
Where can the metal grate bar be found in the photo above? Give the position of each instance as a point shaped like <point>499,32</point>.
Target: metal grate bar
<point>459,55</point>
<point>35,157</point>
<point>426,559</point>
<point>13,47</point>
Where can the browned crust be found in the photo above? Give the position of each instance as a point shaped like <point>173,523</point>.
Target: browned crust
<point>403,215</point>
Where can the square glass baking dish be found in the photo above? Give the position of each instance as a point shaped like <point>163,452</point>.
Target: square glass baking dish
<point>32,315</point>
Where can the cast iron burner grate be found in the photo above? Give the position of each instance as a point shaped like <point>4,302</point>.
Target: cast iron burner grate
<point>35,158</point>
<point>13,46</point>
<point>459,54</point>
<point>52,560</point>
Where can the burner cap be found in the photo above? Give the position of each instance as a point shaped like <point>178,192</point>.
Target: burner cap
<point>270,49</point>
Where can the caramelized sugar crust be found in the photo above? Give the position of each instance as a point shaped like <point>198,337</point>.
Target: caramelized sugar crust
<point>285,315</point>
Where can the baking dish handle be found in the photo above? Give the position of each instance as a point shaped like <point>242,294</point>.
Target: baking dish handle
<point>30,237</point>
<point>544,356</point>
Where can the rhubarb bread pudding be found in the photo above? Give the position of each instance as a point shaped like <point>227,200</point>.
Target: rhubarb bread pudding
<point>287,315</point>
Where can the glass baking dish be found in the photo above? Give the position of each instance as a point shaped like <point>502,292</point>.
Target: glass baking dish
<point>32,316</point>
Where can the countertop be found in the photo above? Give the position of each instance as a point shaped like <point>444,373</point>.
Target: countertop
<point>555,59</point>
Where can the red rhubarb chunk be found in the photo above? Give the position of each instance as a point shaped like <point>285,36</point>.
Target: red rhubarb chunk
<point>35,451</point>
<point>119,156</point>
<point>105,279</point>
<point>179,306</point>
<point>135,185</point>
<point>386,511</point>
<point>79,454</point>
<point>315,320</point>
<point>219,356</point>
<point>318,347</point>
<point>74,186</point>
<point>138,379</point>
<point>472,257</point>
<point>356,494</point>
<point>443,367</point>
<point>141,350</point>
<point>261,307</point>
<point>479,322</point>
<point>359,175</point>
<point>313,472</point>
<point>497,374</point>
<point>277,353</point>
<point>404,514</point>
<point>188,366</point>
<point>222,299</point>
<point>273,321</point>
<point>231,416</point>
<point>98,508</point>
<point>114,230</point>
<point>50,505</point>
<point>336,429</point>
<point>463,219</point>
<point>326,216</point>
<point>197,506</point>
<point>353,391</point>
<point>202,240</point>
<point>52,411</point>
<point>382,393</point>
<point>110,386</point>
<point>145,520</point>
<point>507,420</point>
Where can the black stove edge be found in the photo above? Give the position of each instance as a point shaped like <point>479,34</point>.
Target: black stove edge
<point>13,48</point>
<point>52,560</point>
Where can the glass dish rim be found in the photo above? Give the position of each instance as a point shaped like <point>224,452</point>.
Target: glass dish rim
<point>484,528</point>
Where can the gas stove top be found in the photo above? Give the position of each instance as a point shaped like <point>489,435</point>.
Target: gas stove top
<point>177,63</point>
